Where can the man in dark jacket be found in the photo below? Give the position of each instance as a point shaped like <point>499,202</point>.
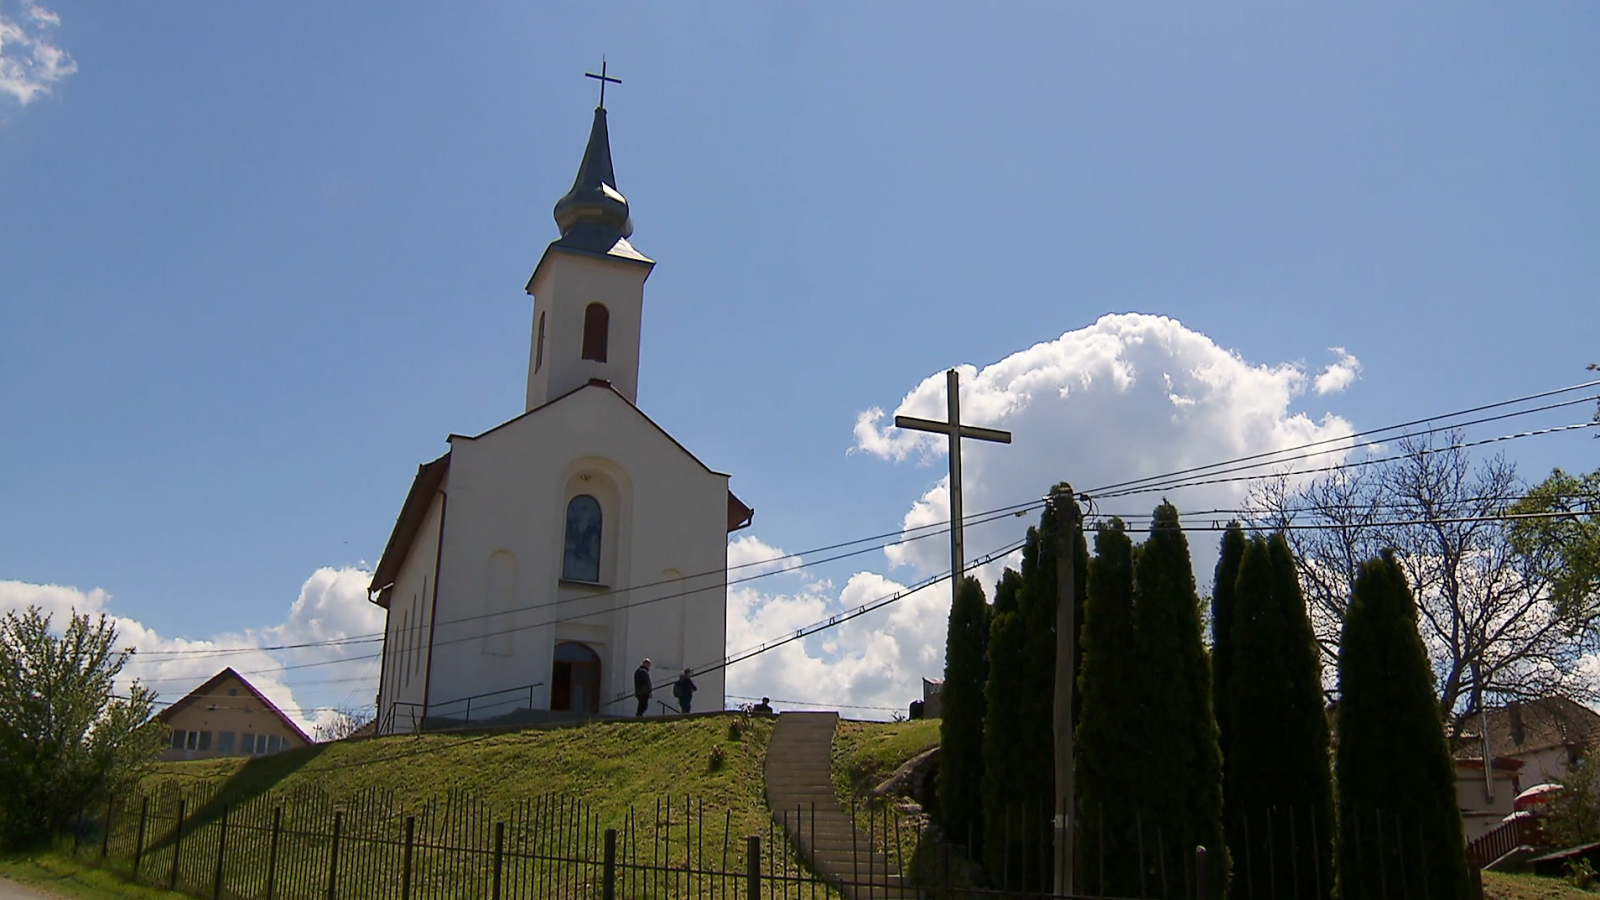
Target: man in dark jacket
<point>641,687</point>
<point>684,690</point>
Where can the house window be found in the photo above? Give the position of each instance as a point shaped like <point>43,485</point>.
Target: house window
<point>193,740</point>
<point>596,329</point>
<point>205,740</point>
<point>225,741</point>
<point>177,738</point>
<point>538,345</point>
<point>575,681</point>
<point>581,560</point>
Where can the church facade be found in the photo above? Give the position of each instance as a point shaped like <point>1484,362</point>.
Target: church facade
<point>532,567</point>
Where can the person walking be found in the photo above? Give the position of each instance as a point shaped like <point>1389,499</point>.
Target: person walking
<point>641,687</point>
<point>684,689</point>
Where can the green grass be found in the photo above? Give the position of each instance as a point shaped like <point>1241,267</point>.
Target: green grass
<point>611,763</point>
<point>865,753</point>
<point>58,875</point>
<point>456,787</point>
<point>1529,887</point>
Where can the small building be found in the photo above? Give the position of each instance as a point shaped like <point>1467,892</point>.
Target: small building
<point>931,690</point>
<point>1548,736</point>
<point>1485,801</point>
<point>227,716</point>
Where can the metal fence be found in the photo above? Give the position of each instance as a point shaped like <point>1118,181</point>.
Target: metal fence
<point>303,845</point>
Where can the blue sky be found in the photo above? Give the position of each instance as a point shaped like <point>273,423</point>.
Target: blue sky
<point>256,261</point>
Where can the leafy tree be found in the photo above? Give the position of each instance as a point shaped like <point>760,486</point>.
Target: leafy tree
<point>1222,652</point>
<point>1574,817</point>
<point>966,670</point>
<point>1181,787</point>
<point>1564,551</point>
<point>1394,769</point>
<point>1106,747</point>
<point>1279,790</point>
<point>1490,615</point>
<point>65,740</point>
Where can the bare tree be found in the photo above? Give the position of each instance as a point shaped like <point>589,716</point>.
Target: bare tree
<point>345,721</point>
<point>1485,610</point>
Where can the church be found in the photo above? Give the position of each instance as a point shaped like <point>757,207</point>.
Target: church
<point>533,566</point>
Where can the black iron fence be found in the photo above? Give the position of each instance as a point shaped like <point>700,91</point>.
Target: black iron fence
<point>303,845</point>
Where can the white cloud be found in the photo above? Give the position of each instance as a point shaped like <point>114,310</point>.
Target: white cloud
<point>1338,375</point>
<point>332,605</point>
<point>30,63</point>
<point>1127,397</point>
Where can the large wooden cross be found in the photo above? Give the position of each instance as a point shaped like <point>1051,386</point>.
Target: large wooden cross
<point>954,431</point>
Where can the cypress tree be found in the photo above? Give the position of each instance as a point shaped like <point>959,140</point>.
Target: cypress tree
<point>1003,771</point>
<point>1018,837</point>
<point>1399,827</point>
<point>1222,653</point>
<point>1105,747</point>
<point>966,670</point>
<point>1179,796</point>
<point>1279,790</point>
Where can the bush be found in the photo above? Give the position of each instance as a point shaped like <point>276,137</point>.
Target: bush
<point>64,738</point>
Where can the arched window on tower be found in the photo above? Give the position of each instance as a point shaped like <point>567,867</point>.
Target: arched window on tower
<point>581,559</point>
<point>596,330</point>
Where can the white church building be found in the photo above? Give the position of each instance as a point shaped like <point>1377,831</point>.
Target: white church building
<point>533,566</point>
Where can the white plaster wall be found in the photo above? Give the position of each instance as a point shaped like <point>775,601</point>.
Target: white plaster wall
<point>661,511</point>
<point>405,664</point>
<point>1543,766</point>
<point>567,284</point>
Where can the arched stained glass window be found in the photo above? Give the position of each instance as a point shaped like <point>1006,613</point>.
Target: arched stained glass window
<point>581,560</point>
<point>596,331</point>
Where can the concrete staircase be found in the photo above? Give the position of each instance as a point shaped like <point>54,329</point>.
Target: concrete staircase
<point>800,793</point>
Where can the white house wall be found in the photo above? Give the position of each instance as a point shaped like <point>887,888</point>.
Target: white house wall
<point>403,686</point>
<point>664,525</point>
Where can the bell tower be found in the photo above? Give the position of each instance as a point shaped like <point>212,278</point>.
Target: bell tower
<point>588,288</point>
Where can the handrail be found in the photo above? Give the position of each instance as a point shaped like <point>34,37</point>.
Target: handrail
<point>432,710</point>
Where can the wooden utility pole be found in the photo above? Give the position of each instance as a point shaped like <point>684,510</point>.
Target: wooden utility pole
<point>1068,524</point>
<point>955,431</point>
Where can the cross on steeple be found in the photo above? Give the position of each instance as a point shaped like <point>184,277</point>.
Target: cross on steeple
<point>602,78</point>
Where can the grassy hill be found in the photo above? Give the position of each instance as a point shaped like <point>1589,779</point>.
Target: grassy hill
<point>612,764</point>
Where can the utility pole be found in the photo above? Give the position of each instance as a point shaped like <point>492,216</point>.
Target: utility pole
<point>1069,523</point>
<point>955,431</point>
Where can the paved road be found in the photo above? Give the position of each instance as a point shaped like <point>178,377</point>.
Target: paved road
<point>10,890</point>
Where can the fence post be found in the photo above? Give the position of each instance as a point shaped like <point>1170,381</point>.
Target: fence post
<point>1202,874</point>
<point>608,888</point>
<point>499,855</point>
<point>105,838</point>
<point>222,843</point>
<point>177,846</point>
<point>272,850</point>
<point>333,857</point>
<point>138,842</point>
<point>405,868</point>
<point>1474,882</point>
<point>752,867</point>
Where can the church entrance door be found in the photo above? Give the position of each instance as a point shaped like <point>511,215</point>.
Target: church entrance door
<point>575,682</point>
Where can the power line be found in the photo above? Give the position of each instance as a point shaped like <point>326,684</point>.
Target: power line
<point>1367,433</point>
<point>1340,466</point>
<point>979,518</point>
